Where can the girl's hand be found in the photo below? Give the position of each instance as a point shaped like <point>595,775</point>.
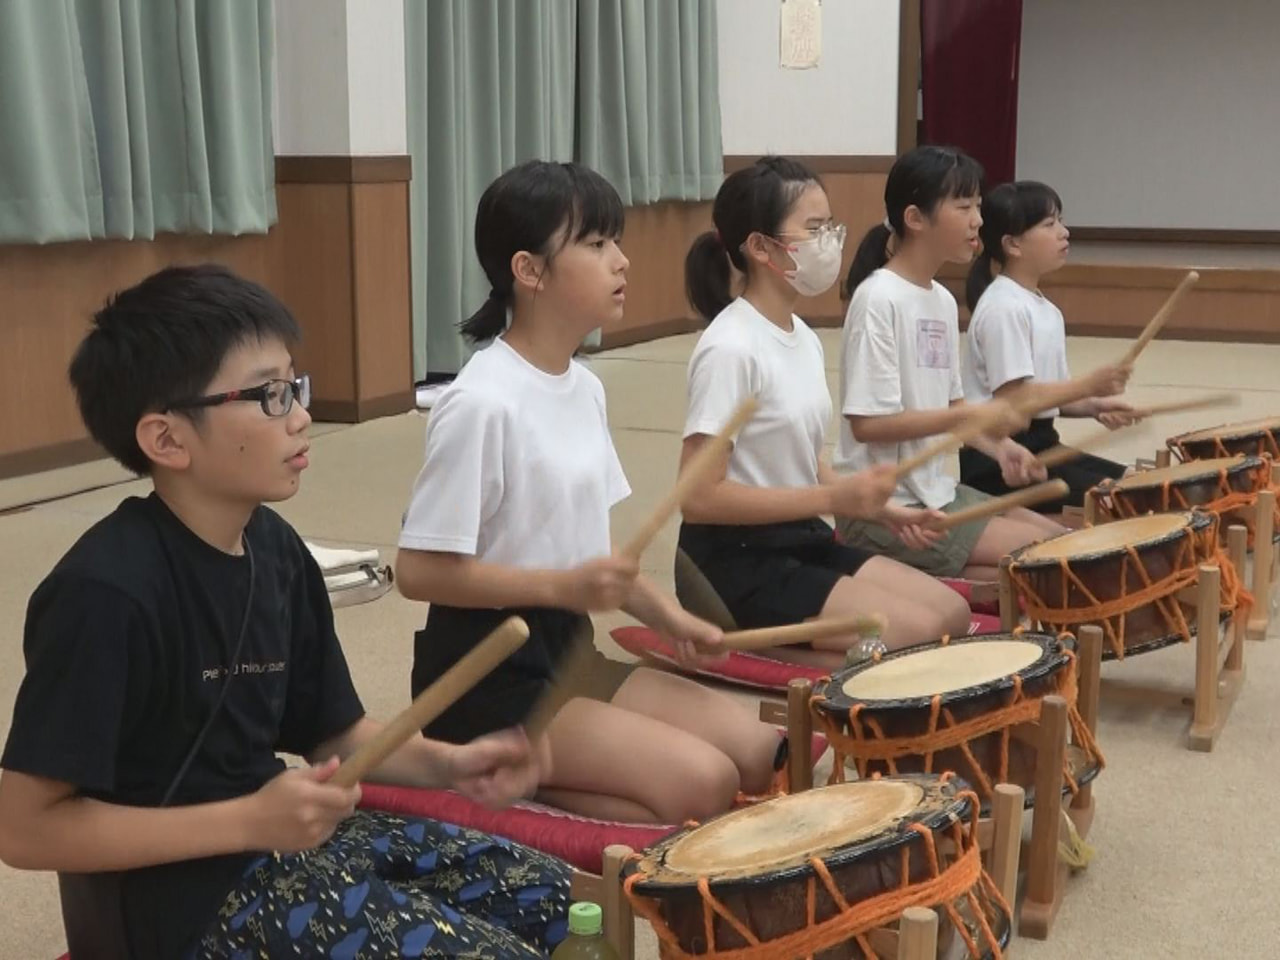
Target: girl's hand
<point>602,584</point>
<point>694,640</point>
<point>1109,380</point>
<point>864,493</point>
<point>912,525</point>
<point>1019,466</point>
<point>1114,413</point>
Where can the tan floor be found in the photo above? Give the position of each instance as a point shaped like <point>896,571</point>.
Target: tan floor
<point>1187,865</point>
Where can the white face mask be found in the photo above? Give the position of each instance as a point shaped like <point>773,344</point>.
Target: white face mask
<point>817,261</point>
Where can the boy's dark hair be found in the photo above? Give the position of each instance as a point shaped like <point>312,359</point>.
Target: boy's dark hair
<point>163,341</point>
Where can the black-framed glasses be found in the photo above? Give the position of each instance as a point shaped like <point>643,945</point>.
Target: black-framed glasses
<point>276,397</point>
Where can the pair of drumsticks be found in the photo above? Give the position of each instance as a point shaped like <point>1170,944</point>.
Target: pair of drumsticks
<point>1027,402</point>
<point>513,633</point>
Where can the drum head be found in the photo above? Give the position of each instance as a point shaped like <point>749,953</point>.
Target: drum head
<point>1232,431</point>
<point>777,839</point>
<point>963,669</point>
<point>942,670</point>
<point>1109,538</point>
<point>1193,470</point>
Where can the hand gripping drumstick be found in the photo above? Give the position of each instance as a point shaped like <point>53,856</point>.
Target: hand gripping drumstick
<point>872,626</point>
<point>969,430</point>
<point>700,464</point>
<point>1020,498</point>
<point>578,659</point>
<point>433,701</point>
<point>1161,318</point>
<point>1059,455</point>
<point>1025,402</point>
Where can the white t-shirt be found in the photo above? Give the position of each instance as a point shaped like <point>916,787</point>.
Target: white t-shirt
<point>899,352</point>
<point>742,354</point>
<point>520,468</point>
<point>1015,333</point>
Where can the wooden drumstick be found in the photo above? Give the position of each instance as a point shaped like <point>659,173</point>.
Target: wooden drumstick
<point>433,701</point>
<point>1223,399</point>
<point>572,669</point>
<point>1160,319</point>
<point>1019,498</point>
<point>1059,455</point>
<point>873,625</point>
<point>702,463</point>
<point>971,429</point>
<point>581,651</point>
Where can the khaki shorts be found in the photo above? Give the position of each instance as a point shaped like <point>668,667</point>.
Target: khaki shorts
<point>946,558</point>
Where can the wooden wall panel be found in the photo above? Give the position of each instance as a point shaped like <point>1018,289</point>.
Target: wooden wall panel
<point>338,258</point>
<point>311,272</point>
<point>381,272</point>
<point>47,296</point>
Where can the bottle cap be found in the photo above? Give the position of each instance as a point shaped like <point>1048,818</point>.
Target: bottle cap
<point>586,919</point>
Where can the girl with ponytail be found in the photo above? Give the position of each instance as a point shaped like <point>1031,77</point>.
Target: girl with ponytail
<point>900,384</point>
<point>510,516</point>
<point>1016,334</point>
<point>755,530</point>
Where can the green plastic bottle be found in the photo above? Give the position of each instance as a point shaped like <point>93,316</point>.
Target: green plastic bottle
<point>586,936</point>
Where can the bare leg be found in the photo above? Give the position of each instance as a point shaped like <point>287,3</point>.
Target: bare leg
<point>1048,526</point>
<point>918,607</point>
<point>599,750</point>
<point>710,716</point>
<point>1002,536</point>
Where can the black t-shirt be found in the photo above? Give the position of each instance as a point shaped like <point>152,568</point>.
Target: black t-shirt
<point>127,643</point>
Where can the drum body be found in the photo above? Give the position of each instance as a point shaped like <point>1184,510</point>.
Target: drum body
<point>1123,576</point>
<point>1254,438</point>
<point>1225,486</point>
<point>967,705</point>
<point>871,843</point>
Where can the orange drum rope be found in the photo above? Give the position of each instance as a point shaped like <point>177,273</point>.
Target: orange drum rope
<point>1267,446</point>
<point>864,740</point>
<point>1172,500</point>
<point>1162,592</point>
<point>853,921</point>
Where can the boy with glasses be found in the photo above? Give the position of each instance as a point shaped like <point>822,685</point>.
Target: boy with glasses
<point>186,638</point>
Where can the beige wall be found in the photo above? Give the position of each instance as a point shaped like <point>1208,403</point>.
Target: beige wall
<point>1153,113</point>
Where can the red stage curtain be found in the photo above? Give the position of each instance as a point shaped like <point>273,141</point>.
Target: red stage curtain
<point>969,60</point>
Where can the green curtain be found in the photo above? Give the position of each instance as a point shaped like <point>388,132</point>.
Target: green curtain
<point>649,114</point>
<point>128,118</point>
<point>490,84</point>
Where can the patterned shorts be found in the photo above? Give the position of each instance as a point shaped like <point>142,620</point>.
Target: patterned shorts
<point>386,886</point>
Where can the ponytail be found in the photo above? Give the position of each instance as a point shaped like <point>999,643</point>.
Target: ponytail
<point>873,253</point>
<point>922,178</point>
<point>1009,210</point>
<point>755,199</point>
<point>980,277</point>
<point>488,322</point>
<point>706,275</point>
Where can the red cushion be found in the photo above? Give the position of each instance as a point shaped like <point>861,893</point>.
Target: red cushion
<point>965,589</point>
<point>579,841</point>
<point>747,669</point>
